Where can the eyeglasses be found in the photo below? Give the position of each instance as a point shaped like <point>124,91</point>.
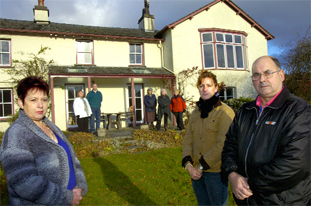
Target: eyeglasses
<point>268,74</point>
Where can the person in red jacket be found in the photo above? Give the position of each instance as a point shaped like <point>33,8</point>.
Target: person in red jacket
<point>178,106</point>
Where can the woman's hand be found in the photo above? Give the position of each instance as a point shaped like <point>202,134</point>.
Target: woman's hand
<point>77,196</point>
<point>194,172</point>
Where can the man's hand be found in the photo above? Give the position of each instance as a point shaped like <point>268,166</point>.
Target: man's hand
<point>194,173</point>
<point>240,187</point>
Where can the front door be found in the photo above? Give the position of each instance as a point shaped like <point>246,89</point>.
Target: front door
<point>139,101</point>
<point>71,94</point>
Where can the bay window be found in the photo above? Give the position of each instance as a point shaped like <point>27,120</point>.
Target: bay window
<point>224,50</point>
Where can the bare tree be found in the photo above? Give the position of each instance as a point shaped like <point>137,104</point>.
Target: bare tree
<point>297,63</point>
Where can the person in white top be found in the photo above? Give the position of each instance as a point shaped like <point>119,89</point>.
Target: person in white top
<point>82,111</point>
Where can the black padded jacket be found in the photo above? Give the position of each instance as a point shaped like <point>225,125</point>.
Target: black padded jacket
<point>273,151</point>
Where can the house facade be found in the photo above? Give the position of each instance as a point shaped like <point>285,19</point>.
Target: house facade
<point>219,37</point>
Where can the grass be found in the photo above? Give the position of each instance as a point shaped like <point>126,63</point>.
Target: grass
<point>151,178</point>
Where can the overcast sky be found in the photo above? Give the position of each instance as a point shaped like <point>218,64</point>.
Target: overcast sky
<point>284,19</point>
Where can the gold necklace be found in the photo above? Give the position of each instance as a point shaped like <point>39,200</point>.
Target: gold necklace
<point>51,133</point>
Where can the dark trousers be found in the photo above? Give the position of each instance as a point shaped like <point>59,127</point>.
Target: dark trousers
<point>179,120</point>
<point>83,124</point>
<point>165,122</point>
<point>95,115</point>
<point>210,189</point>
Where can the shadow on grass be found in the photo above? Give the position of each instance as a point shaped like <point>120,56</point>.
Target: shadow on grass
<point>120,183</point>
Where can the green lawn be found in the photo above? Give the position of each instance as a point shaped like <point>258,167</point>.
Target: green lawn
<point>152,178</point>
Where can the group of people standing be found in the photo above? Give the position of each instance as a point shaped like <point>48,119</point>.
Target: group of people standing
<point>263,150</point>
<point>176,105</point>
<point>84,108</point>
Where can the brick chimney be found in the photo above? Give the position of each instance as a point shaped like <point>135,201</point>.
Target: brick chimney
<point>146,22</point>
<point>41,13</point>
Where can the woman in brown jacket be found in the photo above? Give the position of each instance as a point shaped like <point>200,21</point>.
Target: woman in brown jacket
<point>204,141</point>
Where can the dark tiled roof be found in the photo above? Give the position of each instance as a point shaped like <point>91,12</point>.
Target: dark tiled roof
<point>71,28</point>
<point>97,71</point>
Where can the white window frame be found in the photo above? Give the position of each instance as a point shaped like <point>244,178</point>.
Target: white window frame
<point>6,103</point>
<point>9,52</point>
<point>136,53</point>
<point>213,56</point>
<point>225,97</point>
<point>79,52</point>
<point>225,43</point>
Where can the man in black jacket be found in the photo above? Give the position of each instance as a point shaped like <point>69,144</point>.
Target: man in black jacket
<point>266,155</point>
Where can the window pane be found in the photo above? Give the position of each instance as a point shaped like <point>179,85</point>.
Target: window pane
<point>137,91</point>
<point>229,91</point>
<point>238,39</point>
<point>208,55</point>
<point>129,88</point>
<point>138,48</point>
<point>5,46</point>
<point>230,56</point>
<point>71,93</point>
<point>84,58</point>
<point>84,46</point>
<point>1,110</point>
<point>71,119</point>
<point>138,115</point>
<point>0,96</point>
<point>132,58</point>
<point>220,55</point>
<point>138,103</point>
<point>239,56</point>
<point>7,96</point>
<point>207,37</point>
<point>130,101</point>
<point>7,109</point>
<point>229,38</point>
<point>5,59</point>
<point>138,58</point>
<point>70,105</point>
<point>219,37</point>
<point>132,48</point>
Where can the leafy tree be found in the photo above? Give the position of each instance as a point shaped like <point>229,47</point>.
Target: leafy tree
<point>297,63</point>
<point>36,65</point>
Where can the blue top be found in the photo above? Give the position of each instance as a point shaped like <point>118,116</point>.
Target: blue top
<point>72,176</point>
<point>150,103</point>
<point>95,99</point>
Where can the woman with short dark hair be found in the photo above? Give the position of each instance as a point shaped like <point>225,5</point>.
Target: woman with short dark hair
<point>39,162</point>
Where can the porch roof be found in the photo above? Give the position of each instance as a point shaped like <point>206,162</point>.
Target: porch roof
<point>91,70</point>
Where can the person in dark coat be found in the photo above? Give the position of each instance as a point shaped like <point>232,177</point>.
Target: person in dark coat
<point>178,107</point>
<point>150,102</point>
<point>163,109</point>
<point>266,155</point>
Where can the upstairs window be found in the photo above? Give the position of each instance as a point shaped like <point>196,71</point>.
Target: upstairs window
<point>227,93</point>
<point>224,50</point>
<point>84,52</point>
<point>136,54</point>
<point>5,53</point>
<point>6,103</point>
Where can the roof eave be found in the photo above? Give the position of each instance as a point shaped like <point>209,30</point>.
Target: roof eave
<point>232,5</point>
<point>54,33</point>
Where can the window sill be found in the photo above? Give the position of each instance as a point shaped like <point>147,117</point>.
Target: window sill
<point>6,67</point>
<point>136,65</point>
<point>247,70</point>
<point>4,119</point>
<point>84,64</point>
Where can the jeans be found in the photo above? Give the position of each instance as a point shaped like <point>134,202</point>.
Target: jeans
<point>179,120</point>
<point>95,114</point>
<point>210,189</point>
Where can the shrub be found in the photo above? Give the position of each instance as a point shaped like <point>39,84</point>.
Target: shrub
<point>235,104</point>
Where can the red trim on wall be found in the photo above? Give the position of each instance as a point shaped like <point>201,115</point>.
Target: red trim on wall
<point>51,33</point>
<point>233,6</point>
<point>222,30</point>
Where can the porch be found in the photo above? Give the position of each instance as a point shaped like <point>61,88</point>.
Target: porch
<point>123,89</point>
